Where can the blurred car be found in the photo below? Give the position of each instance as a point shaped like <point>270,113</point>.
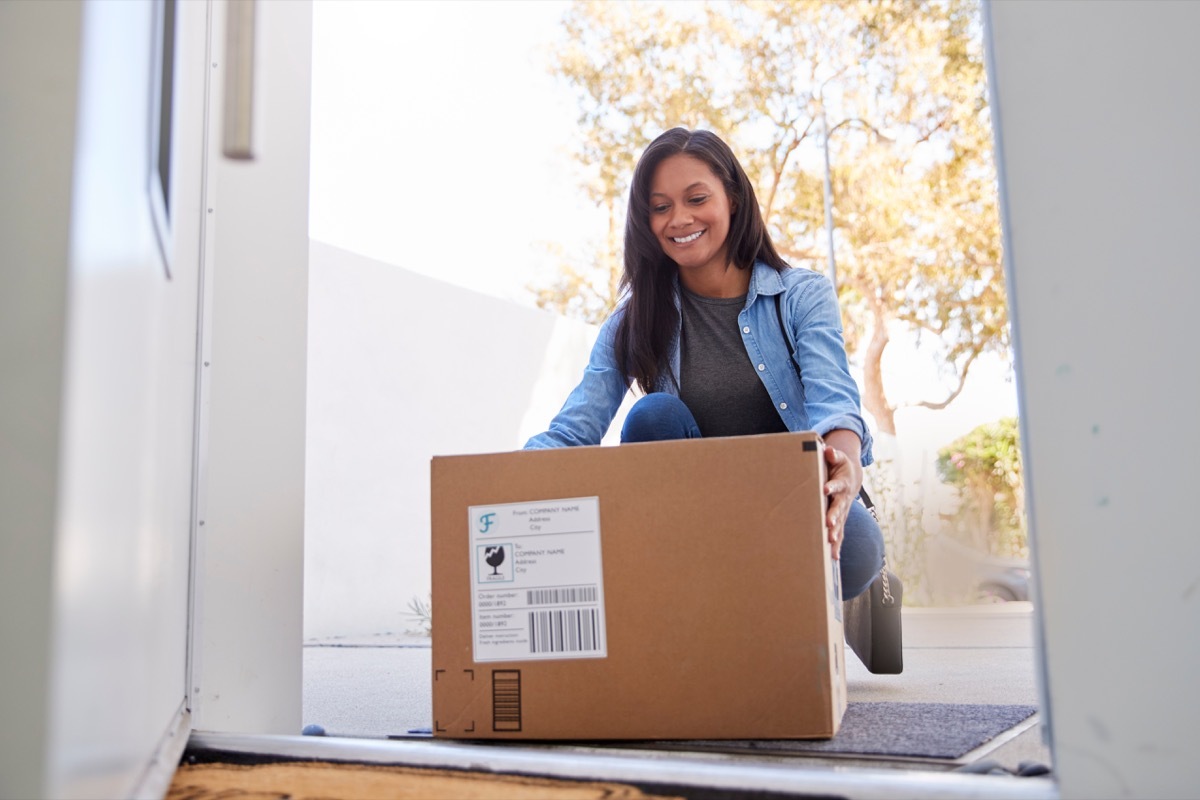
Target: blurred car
<point>959,571</point>
<point>1001,581</point>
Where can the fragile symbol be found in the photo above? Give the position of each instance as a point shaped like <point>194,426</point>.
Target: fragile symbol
<point>494,556</point>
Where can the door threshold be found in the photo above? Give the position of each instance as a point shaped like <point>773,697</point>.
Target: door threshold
<point>699,771</point>
<point>156,779</point>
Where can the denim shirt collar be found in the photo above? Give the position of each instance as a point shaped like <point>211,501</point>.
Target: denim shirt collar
<point>764,279</point>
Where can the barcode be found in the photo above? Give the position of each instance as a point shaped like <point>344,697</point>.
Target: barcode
<point>506,700</point>
<point>563,596</point>
<point>567,631</point>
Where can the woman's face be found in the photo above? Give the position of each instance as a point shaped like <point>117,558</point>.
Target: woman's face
<point>690,213</point>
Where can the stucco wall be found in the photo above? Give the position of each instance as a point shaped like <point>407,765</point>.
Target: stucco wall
<point>403,367</point>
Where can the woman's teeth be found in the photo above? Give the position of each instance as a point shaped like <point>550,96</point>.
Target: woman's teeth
<point>686,239</point>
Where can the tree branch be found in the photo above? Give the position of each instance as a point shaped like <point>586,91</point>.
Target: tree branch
<point>781,164</point>
<point>962,381</point>
<point>925,137</point>
<point>862,123</point>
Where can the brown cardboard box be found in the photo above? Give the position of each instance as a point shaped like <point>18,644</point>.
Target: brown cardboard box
<point>668,590</point>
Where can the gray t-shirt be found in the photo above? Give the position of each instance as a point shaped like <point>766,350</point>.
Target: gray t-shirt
<point>718,383</point>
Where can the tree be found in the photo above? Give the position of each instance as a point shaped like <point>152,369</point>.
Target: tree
<point>985,467</point>
<point>896,90</point>
<point>632,66</point>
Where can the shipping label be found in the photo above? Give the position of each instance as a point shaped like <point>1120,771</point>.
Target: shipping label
<point>537,585</point>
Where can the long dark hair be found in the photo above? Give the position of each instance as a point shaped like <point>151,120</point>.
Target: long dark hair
<point>647,328</point>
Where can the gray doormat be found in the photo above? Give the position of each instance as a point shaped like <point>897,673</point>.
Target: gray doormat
<point>914,730</point>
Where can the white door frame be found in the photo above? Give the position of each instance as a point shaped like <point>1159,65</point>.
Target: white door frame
<point>248,586</point>
<point>1096,131</point>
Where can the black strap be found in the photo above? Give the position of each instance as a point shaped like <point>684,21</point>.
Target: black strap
<point>866,501</point>
<point>787,339</point>
<point>866,498</point>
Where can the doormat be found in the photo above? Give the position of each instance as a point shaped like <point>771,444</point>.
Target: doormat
<point>908,730</point>
<point>312,780</point>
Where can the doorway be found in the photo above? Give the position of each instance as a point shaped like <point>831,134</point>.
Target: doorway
<point>374,283</point>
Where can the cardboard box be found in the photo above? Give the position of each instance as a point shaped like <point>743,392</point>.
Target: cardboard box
<point>668,590</point>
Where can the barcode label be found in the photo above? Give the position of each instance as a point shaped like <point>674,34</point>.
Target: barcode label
<point>568,631</point>
<point>562,596</point>
<point>537,582</point>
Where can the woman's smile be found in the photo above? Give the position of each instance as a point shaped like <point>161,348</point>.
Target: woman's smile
<point>687,239</point>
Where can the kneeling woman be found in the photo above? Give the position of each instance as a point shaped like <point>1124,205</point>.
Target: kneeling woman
<point>723,337</point>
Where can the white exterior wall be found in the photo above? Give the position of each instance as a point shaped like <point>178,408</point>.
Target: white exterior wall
<point>1097,131</point>
<point>403,367</point>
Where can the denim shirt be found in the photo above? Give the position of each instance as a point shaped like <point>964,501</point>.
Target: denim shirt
<point>827,399</point>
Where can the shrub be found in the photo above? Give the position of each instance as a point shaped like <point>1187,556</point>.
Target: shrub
<point>985,467</point>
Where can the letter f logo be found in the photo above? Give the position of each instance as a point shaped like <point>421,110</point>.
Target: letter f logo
<point>486,520</point>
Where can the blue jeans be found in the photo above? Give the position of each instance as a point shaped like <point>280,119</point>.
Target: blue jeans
<point>661,417</point>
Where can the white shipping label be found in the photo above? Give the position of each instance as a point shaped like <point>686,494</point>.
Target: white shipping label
<point>536,580</point>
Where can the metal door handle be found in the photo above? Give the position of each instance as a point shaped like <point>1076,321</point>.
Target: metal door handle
<point>239,79</point>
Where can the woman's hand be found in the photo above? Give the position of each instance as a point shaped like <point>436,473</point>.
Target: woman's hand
<point>845,475</point>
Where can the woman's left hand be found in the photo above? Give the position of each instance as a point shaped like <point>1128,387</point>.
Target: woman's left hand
<point>845,476</point>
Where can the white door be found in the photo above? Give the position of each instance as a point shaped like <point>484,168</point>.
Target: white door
<point>152,306</point>
<point>110,579</point>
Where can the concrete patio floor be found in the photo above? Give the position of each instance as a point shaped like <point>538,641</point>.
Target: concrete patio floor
<point>379,687</point>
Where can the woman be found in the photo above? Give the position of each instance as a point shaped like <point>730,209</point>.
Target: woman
<point>707,328</point>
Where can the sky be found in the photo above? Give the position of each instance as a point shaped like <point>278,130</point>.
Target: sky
<point>439,138</point>
<point>439,145</point>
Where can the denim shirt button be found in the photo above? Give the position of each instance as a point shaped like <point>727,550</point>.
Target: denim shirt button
<point>761,367</point>
<point>746,329</point>
<point>783,406</point>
